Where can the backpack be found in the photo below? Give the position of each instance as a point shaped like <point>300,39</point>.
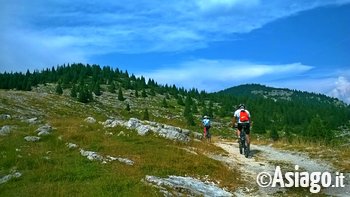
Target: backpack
<point>243,116</point>
<point>206,122</point>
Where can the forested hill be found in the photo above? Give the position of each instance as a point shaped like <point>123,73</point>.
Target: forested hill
<point>280,111</point>
<point>291,112</point>
<point>257,90</point>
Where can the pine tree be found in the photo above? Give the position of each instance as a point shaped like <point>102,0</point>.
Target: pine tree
<point>136,93</point>
<point>28,86</point>
<point>152,92</point>
<point>287,134</point>
<point>210,109</point>
<point>73,92</point>
<point>59,89</point>
<point>180,101</point>
<point>97,89</point>
<point>188,112</point>
<point>274,134</point>
<point>145,115</point>
<point>82,95</point>
<point>194,108</point>
<point>111,87</point>
<point>204,110</point>
<point>144,94</point>
<point>190,120</point>
<point>89,95</point>
<point>164,103</point>
<point>127,107</point>
<point>120,95</point>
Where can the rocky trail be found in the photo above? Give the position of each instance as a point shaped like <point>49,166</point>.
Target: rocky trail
<point>265,159</point>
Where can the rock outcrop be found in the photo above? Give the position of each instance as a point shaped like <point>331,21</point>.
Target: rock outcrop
<point>145,127</point>
<point>197,135</point>
<point>5,116</point>
<point>32,138</point>
<point>9,177</point>
<point>90,120</point>
<point>71,145</point>
<point>5,130</point>
<point>91,155</point>
<point>32,120</point>
<point>44,130</point>
<point>186,186</point>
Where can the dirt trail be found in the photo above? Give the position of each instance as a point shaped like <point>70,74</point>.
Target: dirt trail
<point>265,159</point>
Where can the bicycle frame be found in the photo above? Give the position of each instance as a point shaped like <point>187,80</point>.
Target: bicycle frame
<point>243,146</point>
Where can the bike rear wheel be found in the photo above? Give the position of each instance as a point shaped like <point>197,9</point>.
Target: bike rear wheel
<point>246,150</point>
<point>241,147</point>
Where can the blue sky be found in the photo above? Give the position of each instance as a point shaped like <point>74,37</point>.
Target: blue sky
<point>207,44</point>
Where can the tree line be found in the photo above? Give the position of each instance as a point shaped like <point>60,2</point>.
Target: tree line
<point>309,115</point>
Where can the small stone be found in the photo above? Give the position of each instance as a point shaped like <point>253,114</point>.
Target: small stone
<point>71,145</point>
<point>44,130</point>
<point>32,120</point>
<point>5,117</point>
<point>32,138</point>
<point>90,120</point>
<point>5,130</point>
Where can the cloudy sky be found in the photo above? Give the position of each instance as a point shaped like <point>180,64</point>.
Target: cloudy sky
<point>207,44</point>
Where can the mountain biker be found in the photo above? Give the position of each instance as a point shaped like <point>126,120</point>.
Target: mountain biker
<point>241,121</point>
<point>206,125</point>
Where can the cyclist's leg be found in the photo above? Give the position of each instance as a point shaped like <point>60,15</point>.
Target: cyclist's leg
<point>238,132</point>
<point>239,128</point>
<point>248,134</point>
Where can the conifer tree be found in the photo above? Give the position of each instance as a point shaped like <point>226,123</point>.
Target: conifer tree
<point>145,115</point>
<point>28,85</point>
<point>188,112</point>
<point>120,95</point>
<point>204,110</point>
<point>180,101</point>
<point>59,89</point>
<point>97,89</point>
<point>127,107</point>
<point>136,93</point>
<point>144,94</point>
<point>152,92</point>
<point>210,109</point>
<point>164,103</point>
<point>73,92</point>
<point>274,134</point>
<point>194,108</point>
<point>111,87</point>
<point>83,95</point>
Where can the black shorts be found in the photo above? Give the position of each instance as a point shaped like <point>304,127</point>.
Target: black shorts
<point>240,125</point>
<point>207,132</point>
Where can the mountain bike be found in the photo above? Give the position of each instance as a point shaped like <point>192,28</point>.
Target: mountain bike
<point>243,146</point>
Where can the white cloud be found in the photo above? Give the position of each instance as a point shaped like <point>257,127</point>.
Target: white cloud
<point>213,4</point>
<point>84,28</point>
<point>213,75</point>
<point>341,89</point>
<point>18,53</point>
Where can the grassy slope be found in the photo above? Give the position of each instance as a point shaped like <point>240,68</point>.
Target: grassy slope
<point>50,168</point>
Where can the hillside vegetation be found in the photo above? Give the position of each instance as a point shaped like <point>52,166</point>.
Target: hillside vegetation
<point>50,167</point>
<point>83,156</point>
<point>276,112</point>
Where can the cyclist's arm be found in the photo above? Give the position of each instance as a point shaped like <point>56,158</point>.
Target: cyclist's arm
<point>234,120</point>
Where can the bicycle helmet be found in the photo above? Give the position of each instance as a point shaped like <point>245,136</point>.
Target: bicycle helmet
<point>205,117</point>
<point>241,106</point>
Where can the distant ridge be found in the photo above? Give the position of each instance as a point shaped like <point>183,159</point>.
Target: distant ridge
<point>258,90</point>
